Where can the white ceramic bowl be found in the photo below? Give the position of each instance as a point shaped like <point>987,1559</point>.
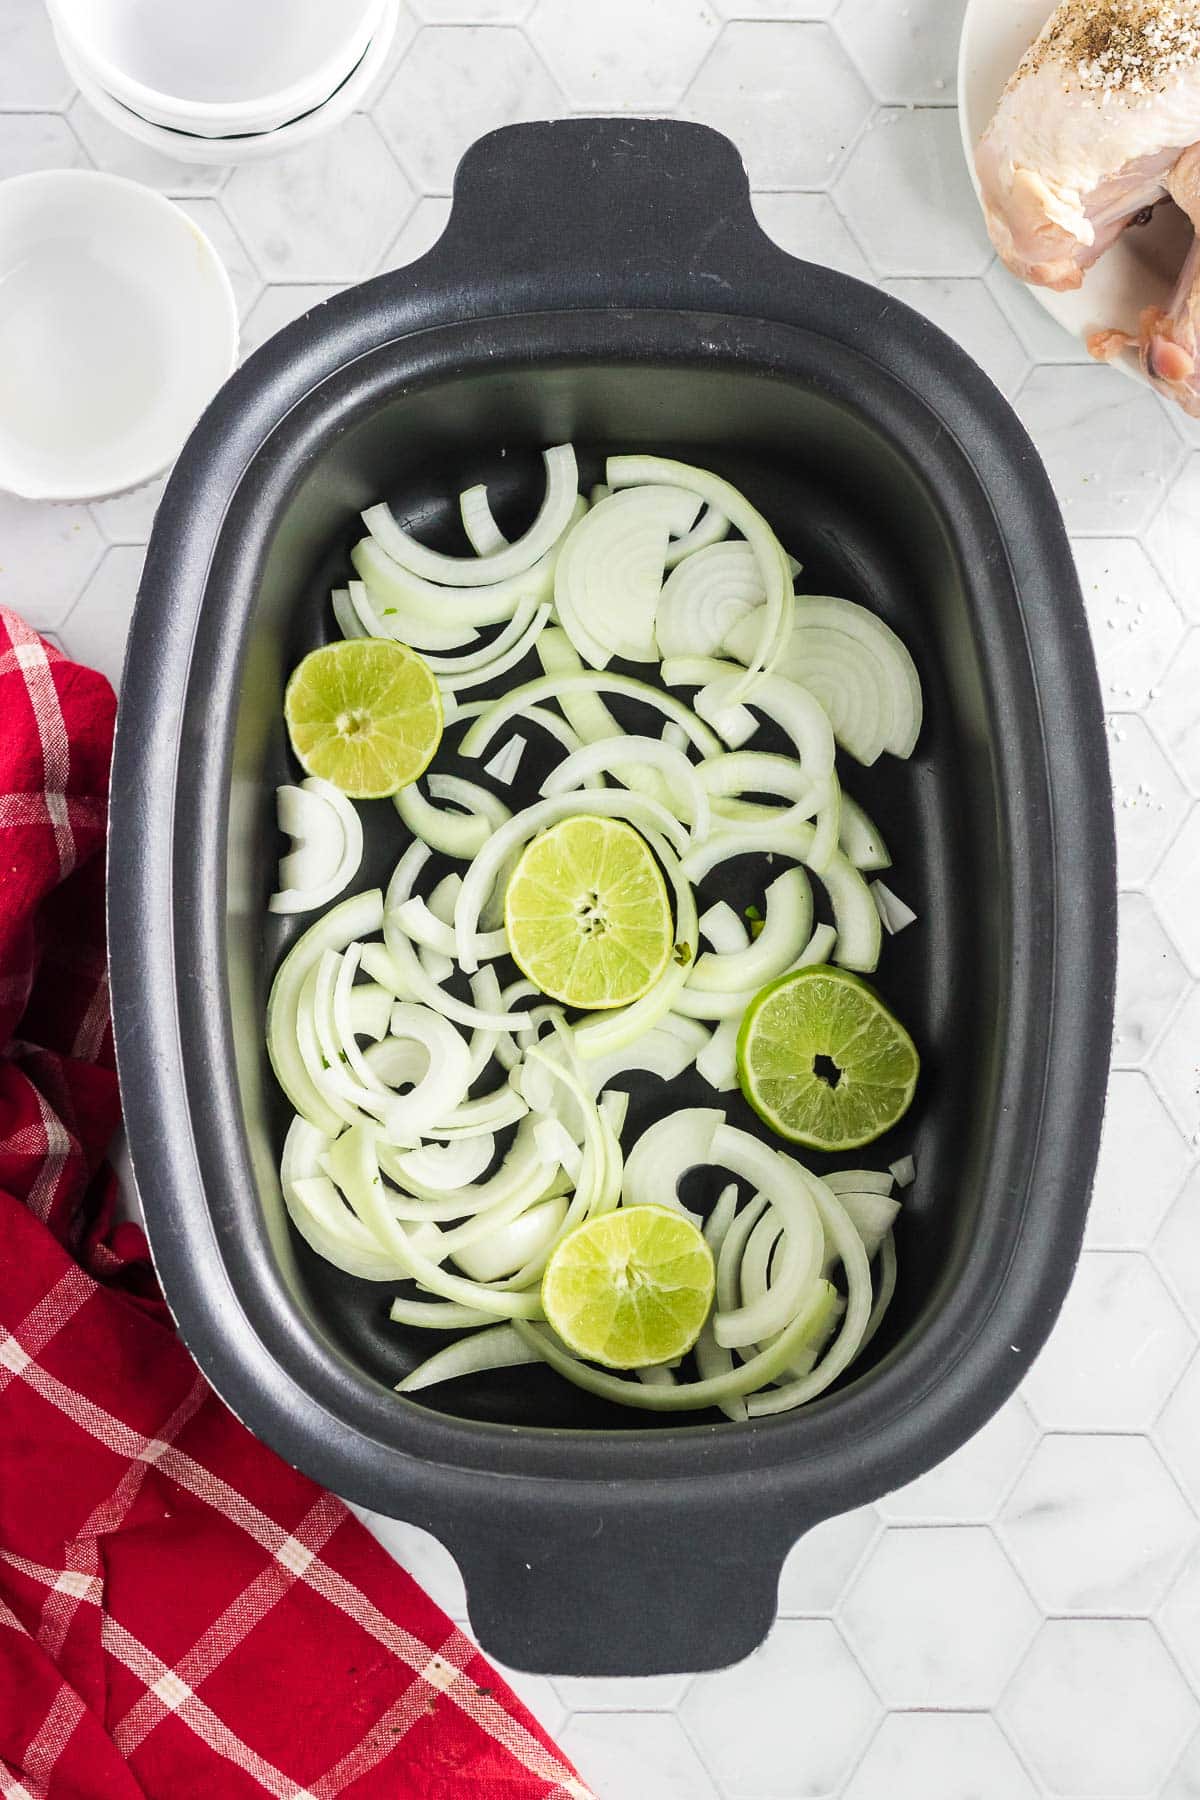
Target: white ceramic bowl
<point>222,67</point>
<point>1141,268</point>
<point>117,326</point>
<point>189,148</point>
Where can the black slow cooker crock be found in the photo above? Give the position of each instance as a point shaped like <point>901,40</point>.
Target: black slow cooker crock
<point>605,281</point>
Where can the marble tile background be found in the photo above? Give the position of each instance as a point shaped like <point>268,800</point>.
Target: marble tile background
<point>1025,1620</point>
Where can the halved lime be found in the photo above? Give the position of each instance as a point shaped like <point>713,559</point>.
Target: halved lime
<point>365,714</point>
<point>587,913</point>
<point>630,1288</point>
<point>822,1060</point>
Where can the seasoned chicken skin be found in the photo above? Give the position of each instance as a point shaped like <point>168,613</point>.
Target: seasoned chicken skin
<point>1097,124</point>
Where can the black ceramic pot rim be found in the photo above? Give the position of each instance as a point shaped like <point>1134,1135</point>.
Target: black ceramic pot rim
<point>176,1063</point>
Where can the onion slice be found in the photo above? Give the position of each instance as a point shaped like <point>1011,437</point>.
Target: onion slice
<point>859,933</point>
<point>558,504</point>
<point>359,917</point>
<point>497,1347</point>
<point>327,845</point>
<point>779,606</point>
<point>483,534</point>
<point>705,597</point>
<point>786,928</point>
<point>610,572</point>
<point>681,776</point>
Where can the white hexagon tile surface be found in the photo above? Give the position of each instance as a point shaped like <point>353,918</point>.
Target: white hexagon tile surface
<point>1023,1622</point>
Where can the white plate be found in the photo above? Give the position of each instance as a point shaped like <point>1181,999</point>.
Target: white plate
<point>1141,268</point>
<point>183,147</point>
<point>117,327</point>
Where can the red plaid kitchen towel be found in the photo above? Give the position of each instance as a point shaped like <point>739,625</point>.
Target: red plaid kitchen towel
<point>181,1614</point>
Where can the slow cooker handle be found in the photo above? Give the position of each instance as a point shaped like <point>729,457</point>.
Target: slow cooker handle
<point>648,1589</point>
<point>598,212</point>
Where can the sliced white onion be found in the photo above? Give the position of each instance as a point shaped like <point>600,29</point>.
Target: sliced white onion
<point>841,1233</point>
<point>683,1396</point>
<point>717,1062</point>
<point>370,1009</point>
<point>507,1248</point>
<point>762,772</point>
<point>610,572</point>
<point>705,598</point>
<point>497,1347</point>
<point>674,735</point>
<point>442,1168</point>
<point>381,603</point>
<point>328,1226</point>
<point>666,1050</point>
<point>416,919</point>
<point>792,708</point>
<point>786,928</point>
<point>318,840</point>
<point>872,1216</point>
<point>884,1290</point>
<point>859,933</point>
<point>402,600</point>
<point>905,1171</point>
<point>709,529</point>
<point>561,686</point>
<point>723,929</point>
<point>680,775</point>
<point>327,845</point>
<point>711,1361</point>
<point>507,760</point>
<point>858,669</point>
<point>818,949</point>
<point>483,534</point>
<point>513,653</point>
<point>353,1165</point>
<point>459,834</point>
<point>859,1181</point>
<point>596,1169</point>
<point>791,1194</point>
<point>859,839</point>
<point>342,1013</point>
<point>613,1107</point>
<point>556,1145</point>
<point>316,1209</point>
<point>444,1085</point>
<point>359,917</point>
<point>483,1113</point>
<point>778,609</point>
<point>412,974</point>
<point>521,1179</point>
<point>347,619</point>
<point>558,503</point>
<point>378,962</point>
<point>437,1315</point>
<point>893,912</point>
<point>486,866</point>
<point>665,1153</point>
<point>591,719</point>
<point>696,1003</point>
<point>439,968</point>
<point>448,668</point>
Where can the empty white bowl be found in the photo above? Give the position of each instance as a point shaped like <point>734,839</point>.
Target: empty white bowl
<point>223,67</point>
<point>254,147</point>
<point>117,326</point>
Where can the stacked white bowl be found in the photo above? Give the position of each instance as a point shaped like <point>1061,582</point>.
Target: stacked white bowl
<point>226,81</point>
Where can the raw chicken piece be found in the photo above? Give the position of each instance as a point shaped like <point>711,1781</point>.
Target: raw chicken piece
<point>1097,124</point>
